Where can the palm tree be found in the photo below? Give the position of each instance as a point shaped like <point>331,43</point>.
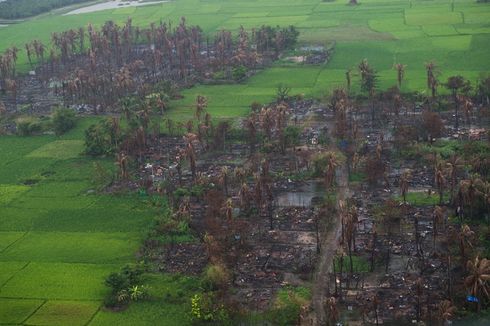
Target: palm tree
<point>453,165</point>
<point>469,190</point>
<point>446,311</point>
<point>437,219</point>
<point>332,163</point>
<point>404,184</point>
<point>465,237</point>
<point>332,311</point>
<point>190,152</point>
<point>440,182</point>
<point>456,83</point>
<point>228,209</point>
<point>223,178</point>
<point>201,105</point>
<point>432,72</point>
<point>477,280</point>
<point>400,73</point>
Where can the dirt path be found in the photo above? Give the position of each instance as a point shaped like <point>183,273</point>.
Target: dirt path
<point>329,246</point>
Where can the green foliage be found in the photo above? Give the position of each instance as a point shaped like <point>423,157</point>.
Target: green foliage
<point>63,120</point>
<point>282,92</point>
<point>205,308</point>
<point>423,198</point>
<point>27,126</point>
<point>287,307</point>
<point>238,73</point>
<point>125,285</point>
<point>216,276</point>
<point>101,139</point>
<point>102,176</point>
<point>292,134</point>
<point>359,264</point>
<point>14,9</point>
<point>357,177</point>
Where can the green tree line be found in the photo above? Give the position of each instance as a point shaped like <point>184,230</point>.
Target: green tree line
<point>15,9</point>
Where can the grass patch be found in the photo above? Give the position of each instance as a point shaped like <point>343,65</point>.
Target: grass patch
<point>15,311</point>
<point>422,198</point>
<point>59,281</point>
<point>359,264</point>
<point>77,247</point>
<point>60,150</point>
<point>9,192</point>
<point>54,313</point>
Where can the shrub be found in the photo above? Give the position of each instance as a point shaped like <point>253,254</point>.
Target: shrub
<point>101,138</point>
<point>63,120</point>
<point>216,276</point>
<point>205,308</point>
<point>28,125</point>
<point>238,73</point>
<point>125,286</point>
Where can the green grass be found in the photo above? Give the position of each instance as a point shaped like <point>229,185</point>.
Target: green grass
<point>359,264</point>
<point>15,311</point>
<point>60,150</point>
<point>58,281</point>
<point>54,313</point>
<point>422,198</point>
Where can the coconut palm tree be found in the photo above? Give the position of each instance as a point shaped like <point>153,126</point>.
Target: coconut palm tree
<point>469,190</point>
<point>454,164</point>
<point>332,311</point>
<point>201,105</point>
<point>440,181</point>
<point>455,84</point>
<point>404,184</point>
<point>332,163</point>
<point>223,179</point>
<point>465,237</point>
<point>477,279</point>
<point>400,73</point>
<point>190,153</point>
<point>446,311</point>
<point>437,219</point>
<point>432,73</point>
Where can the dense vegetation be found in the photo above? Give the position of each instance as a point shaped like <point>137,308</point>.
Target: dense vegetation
<point>14,9</point>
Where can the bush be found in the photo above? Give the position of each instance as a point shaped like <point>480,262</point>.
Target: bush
<point>63,120</point>
<point>101,138</point>
<point>216,277</point>
<point>28,126</point>
<point>238,73</point>
<point>125,286</point>
<point>205,308</point>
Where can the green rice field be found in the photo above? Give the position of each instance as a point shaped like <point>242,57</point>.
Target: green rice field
<point>59,241</point>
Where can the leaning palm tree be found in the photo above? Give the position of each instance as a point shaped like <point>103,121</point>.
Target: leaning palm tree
<point>477,279</point>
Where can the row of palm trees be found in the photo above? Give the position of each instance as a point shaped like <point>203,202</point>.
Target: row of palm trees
<point>96,66</point>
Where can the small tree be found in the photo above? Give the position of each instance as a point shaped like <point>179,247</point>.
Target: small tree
<point>63,120</point>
